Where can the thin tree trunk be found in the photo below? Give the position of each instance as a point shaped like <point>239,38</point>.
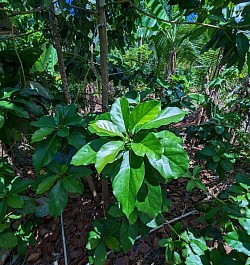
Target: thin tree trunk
<point>57,42</point>
<point>171,64</point>
<point>100,6</point>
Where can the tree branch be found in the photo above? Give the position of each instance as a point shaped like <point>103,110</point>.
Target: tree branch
<point>175,22</point>
<point>89,11</point>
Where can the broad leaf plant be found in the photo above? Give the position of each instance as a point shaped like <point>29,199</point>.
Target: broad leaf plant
<point>136,152</point>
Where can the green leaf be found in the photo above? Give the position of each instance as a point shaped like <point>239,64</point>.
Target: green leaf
<point>248,62</point>
<point>200,185</point>
<point>169,135</point>
<point>107,154</point>
<point>198,245</point>
<point>40,134</point>
<point>87,154</point>
<point>1,121</point>
<point>7,105</point>
<point>208,151</point>
<point>45,121</point>
<point>8,240</point>
<point>239,240</point>
<point>128,234</point>
<point>197,32</point>
<point>149,146</point>
<point>120,113</point>
<point>3,209</point>
<point>143,113</point>
<point>58,199</point>
<point>45,151</point>
<point>242,44</point>
<point>112,242</point>
<point>190,185</point>
<point>100,254</point>
<point>174,161</point>
<point>246,225</point>
<point>165,117</point>
<point>105,128</point>
<point>93,240</point>
<point>152,201</point>
<point>193,260</point>
<point>128,181</point>
<point>19,185</point>
<point>226,164</point>
<point>14,200</point>
<point>46,184</point>
<point>72,184</point>
<point>64,132</point>
<point>76,139</point>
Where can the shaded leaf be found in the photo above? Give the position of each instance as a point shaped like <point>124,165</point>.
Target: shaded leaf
<point>45,151</point>
<point>40,134</point>
<point>46,184</point>
<point>128,181</point>
<point>58,199</point>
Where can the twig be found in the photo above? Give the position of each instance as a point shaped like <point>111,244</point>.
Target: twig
<point>170,222</point>
<point>166,223</point>
<point>64,242</point>
<point>18,56</point>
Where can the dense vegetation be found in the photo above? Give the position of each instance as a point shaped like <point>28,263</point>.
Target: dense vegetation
<point>96,90</point>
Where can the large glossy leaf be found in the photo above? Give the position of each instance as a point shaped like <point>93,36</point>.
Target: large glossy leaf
<point>120,113</point>
<point>165,117</point>
<point>105,128</point>
<point>239,240</point>
<point>58,199</point>
<point>45,151</point>
<point>128,181</point>
<point>174,161</point>
<point>107,154</point>
<point>151,201</point>
<point>87,154</point>
<point>150,145</point>
<point>40,134</point>
<point>169,135</point>
<point>142,113</point>
<point>8,240</point>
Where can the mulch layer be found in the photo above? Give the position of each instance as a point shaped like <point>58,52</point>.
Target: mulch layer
<point>81,213</point>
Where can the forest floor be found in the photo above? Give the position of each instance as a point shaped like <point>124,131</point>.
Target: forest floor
<point>81,212</point>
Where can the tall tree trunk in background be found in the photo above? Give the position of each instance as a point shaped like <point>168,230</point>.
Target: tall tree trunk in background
<point>171,64</point>
<point>101,18</point>
<point>57,42</point>
<point>100,5</point>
